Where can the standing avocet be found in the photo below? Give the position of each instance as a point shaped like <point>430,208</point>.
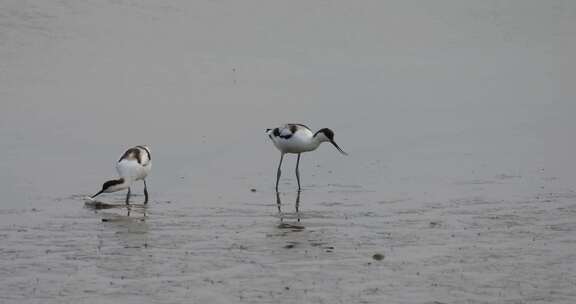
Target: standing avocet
<point>134,165</point>
<point>296,139</point>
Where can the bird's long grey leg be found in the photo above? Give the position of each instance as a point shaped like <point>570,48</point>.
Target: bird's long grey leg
<point>145,192</point>
<point>279,204</point>
<point>297,205</point>
<point>128,197</point>
<point>298,172</point>
<point>279,172</point>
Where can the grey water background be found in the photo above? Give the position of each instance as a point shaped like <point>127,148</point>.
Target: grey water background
<point>458,117</point>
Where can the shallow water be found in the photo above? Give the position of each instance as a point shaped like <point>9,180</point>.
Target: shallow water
<point>458,117</point>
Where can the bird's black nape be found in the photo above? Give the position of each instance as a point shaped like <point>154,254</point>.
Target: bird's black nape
<point>327,132</point>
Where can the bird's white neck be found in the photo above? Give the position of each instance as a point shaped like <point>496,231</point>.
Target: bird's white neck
<point>315,142</point>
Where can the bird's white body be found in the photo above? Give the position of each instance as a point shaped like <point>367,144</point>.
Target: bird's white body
<point>294,138</point>
<point>134,165</point>
<point>297,139</point>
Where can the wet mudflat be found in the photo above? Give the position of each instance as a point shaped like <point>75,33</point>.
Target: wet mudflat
<point>459,187</point>
<point>346,248</point>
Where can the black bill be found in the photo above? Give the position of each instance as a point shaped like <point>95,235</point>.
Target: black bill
<point>338,147</point>
<point>95,195</point>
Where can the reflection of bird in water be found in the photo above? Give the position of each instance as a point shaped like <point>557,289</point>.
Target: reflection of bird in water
<point>296,139</point>
<point>103,208</point>
<point>296,206</point>
<point>134,165</point>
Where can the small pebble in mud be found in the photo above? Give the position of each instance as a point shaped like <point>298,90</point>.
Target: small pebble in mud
<point>253,190</point>
<point>378,257</point>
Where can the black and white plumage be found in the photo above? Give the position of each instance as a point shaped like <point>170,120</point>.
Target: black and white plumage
<point>134,165</point>
<point>297,139</point>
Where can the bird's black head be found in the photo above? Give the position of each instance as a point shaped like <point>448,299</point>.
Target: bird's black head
<point>110,183</point>
<point>108,186</point>
<point>326,134</point>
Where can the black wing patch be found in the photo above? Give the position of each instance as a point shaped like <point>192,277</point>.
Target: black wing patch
<point>293,129</point>
<point>287,131</point>
<point>301,125</point>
